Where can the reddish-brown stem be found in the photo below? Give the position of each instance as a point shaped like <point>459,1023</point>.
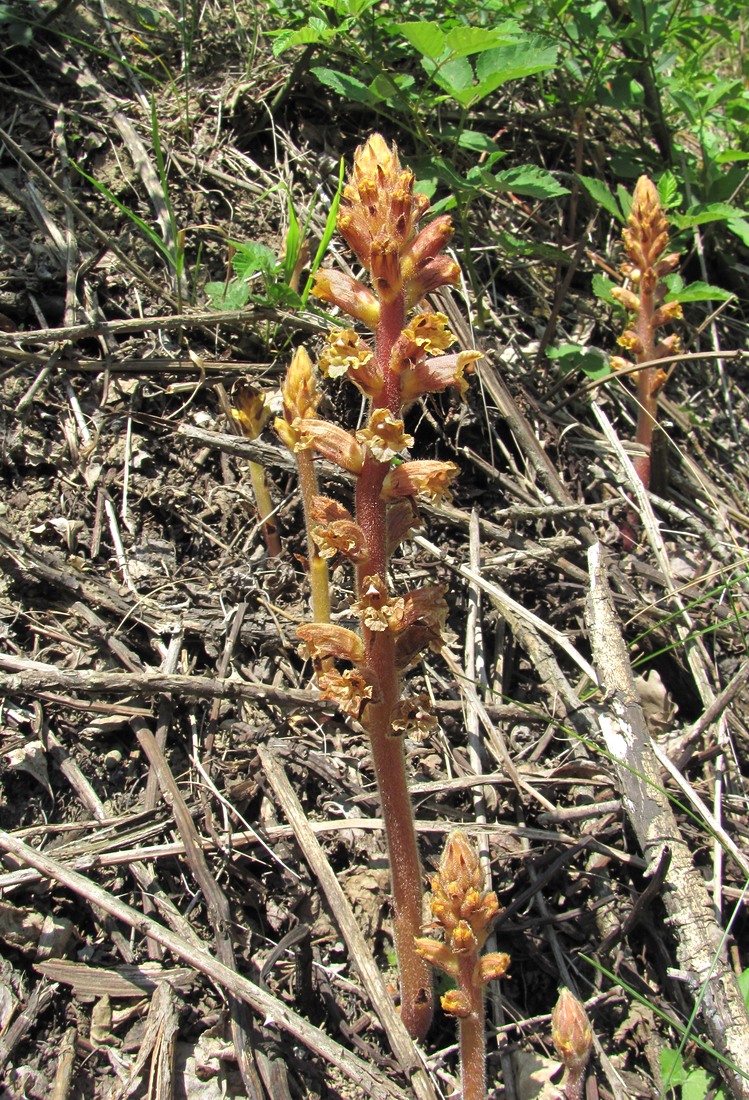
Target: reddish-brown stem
<point>647,414</point>
<point>573,1085</point>
<point>472,1032</point>
<point>388,755</point>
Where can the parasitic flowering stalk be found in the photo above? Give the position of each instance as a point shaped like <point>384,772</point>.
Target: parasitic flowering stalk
<point>301,398</point>
<point>464,912</point>
<point>404,356</point>
<point>648,262</point>
<point>249,413</point>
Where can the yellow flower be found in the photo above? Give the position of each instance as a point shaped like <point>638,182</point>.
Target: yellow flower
<point>384,436</point>
<point>346,353</point>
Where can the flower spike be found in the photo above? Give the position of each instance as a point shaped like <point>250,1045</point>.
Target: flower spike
<point>380,218</point>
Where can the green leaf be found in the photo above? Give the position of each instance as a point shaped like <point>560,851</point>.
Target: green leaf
<point>625,201</point>
<point>668,190</point>
<point>330,227</point>
<point>234,296</point>
<point>702,214</point>
<point>731,156</point>
<point>471,139</point>
<point>425,37</point>
<point>740,226</point>
<point>700,292</point>
<point>600,193</point>
<point>672,1067</point>
<point>346,86</point>
<point>393,88</point>
<point>455,76</point>
<point>514,62</point>
<point>464,41</point>
<point>572,357</point>
<point>251,257</point>
<point>528,180</point>
<point>303,36</point>
<point>144,227</point>
<point>697,1085</point>
<point>602,288</point>
<point>521,246</point>
<point>293,242</point>
<point>744,986</point>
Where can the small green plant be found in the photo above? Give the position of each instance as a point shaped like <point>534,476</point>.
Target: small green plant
<point>253,262</point>
<point>693,1082</point>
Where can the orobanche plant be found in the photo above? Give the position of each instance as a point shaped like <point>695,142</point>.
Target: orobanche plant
<point>648,262</point>
<point>463,912</point>
<point>404,356</point>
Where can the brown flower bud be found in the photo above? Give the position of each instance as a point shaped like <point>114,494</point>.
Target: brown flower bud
<point>331,441</point>
<point>250,409</point>
<point>299,391</point>
<point>349,295</point>
<point>570,1031</point>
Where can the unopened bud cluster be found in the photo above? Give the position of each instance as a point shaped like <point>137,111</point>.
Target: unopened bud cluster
<point>463,912</point>
<point>648,262</point>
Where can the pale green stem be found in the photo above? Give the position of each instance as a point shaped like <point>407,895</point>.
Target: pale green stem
<point>318,569</point>
<point>265,509</point>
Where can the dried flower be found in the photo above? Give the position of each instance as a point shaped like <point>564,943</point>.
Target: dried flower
<point>351,690</point>
<point>329,640</point>
<point>378,610</point>
<point>413,718</point>
<point>341,537</point>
